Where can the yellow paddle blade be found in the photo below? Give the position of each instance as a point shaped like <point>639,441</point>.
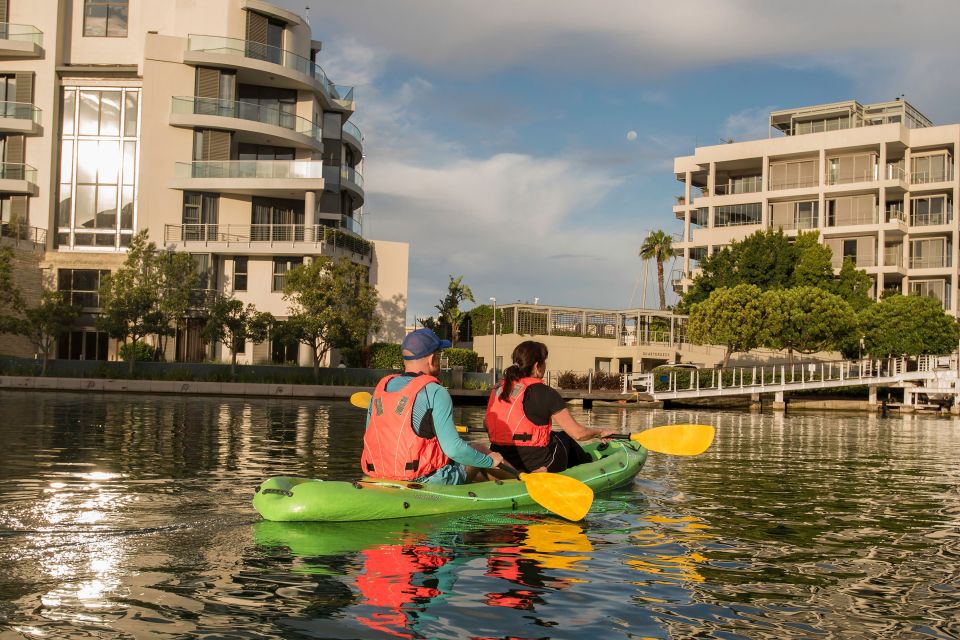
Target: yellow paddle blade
<point>361,399</point>
<point>565,496</point>
<point>677,439</point>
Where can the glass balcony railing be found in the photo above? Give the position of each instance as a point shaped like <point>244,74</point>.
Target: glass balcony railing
<point>793,183</point>
<point>275,55</point>
<point>353,130</point>
<point>929,219</point>
<point>896,214</point>
<point>752,184</point>
<point>346,173</point>
<point>246,111</point>
<point>867,175</point>
<point>337,175</point>
<point>260,169</point>
<point>937,175</point>
<point>251,235</point>
<point>893,256</point>
<point>9,171</point>
<point>21,33</point>
<point>929,262</point>
<point>20,111</point>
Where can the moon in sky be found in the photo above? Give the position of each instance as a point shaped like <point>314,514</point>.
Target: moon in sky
<point>631,135</point>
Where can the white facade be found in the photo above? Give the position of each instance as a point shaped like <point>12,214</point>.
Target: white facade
<point>877,181</point>
<point>207,123</point>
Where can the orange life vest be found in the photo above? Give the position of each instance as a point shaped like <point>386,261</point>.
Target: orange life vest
<point>391,448</point>
<point>507,424</point>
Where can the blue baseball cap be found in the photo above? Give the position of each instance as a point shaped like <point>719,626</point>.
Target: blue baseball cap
<point>421,343</point>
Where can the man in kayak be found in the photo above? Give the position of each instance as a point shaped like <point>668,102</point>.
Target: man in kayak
<point>521,410</point>
<point>410,433</point>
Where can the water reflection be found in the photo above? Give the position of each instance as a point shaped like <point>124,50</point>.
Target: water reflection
<point>128,517</point>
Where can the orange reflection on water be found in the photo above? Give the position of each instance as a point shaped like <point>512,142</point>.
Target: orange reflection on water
<point>669,534</point>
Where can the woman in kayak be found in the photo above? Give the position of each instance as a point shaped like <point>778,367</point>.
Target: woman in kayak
<point>520,412</point>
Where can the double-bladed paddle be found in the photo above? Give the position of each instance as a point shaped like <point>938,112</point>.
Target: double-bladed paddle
<point>565,496</point>
<point>671,439</point>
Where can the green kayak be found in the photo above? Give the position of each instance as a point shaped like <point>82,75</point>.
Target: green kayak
<point>285,499</point>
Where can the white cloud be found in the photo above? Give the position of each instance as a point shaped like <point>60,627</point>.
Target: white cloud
<point>748,124</point>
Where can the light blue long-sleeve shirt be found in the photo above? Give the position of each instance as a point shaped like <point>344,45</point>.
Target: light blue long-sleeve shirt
<point>435,397</point>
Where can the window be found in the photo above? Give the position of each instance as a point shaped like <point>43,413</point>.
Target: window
<point>280,268</point>
<point>105,18</point>
<point>98,167</point>
<point>932,168</point>
<point>850,250</point>
<point>794,215</point>
<point>240,346</point>
<point>82,345</point>
<point>794,174</point>
<point>200,216</point>
<point>283,352</point>
<point>737,214</point>
<point>81,286</point>
<point>929,253</point>
<point>932,288</point>
<point>930,210</point>
<point>851,211</point>
<point>276,220</point>
<point>240,273</point>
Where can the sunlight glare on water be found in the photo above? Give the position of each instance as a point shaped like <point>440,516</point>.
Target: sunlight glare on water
<point>130,517</point>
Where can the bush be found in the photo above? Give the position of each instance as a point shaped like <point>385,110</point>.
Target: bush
<point>141,350</point>
<point>385,355</point>
<point>466,358</point>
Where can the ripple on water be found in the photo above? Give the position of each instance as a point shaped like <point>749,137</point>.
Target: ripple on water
<point>133,519</point>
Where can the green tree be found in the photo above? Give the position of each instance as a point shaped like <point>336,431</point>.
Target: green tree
<point>814,262</point>
<point>176,278</point>
<point>448,311</point>
<point>231,324</point>
<point>481,320</point>
<point>11,299</point>
<point>853,285</point>
<point>146,294</point>
<point>331,305</point>
<point>44,324</point>
<point>765,259</point>
<point>908,325</point>
<point>732,317</point>
<point>658,246</point>
<point>807,320</point>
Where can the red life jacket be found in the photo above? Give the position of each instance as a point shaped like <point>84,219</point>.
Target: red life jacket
<point>507,424</point>
<point>391,448</point>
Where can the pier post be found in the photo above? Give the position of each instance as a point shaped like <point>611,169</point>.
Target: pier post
<point>955,407</point>
<point>908,399</point>
<point>779,404</point>
<point>872,401</point>
<point>755,404</point>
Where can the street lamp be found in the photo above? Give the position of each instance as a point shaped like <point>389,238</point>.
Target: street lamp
<point>494,302</point>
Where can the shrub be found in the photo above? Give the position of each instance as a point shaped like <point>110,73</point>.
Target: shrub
<point>466,358</point>
<point>385,355</point>
<point>139,349</point>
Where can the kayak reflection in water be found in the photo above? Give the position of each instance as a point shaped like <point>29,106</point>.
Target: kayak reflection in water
<point>528,552</point>
<point>520,413</point>
<point>410,433</point>
<point>401,579</point>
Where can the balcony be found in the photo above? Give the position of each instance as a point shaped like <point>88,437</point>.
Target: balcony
<point>18,179</point>
<point>266,239</point>
<point>860,176</point>
<point>798,223</point>
<point>245,118</point>
<point>797,183</point>
<point>351,134</point>
<point>860,261</point>
<point>20,41</point>
<point>852,219</point>
<point>929,177</point>
<point>931,219</point>
<point>250,57</point>
<point>251,177</point>
<point>19,117</point>
<point>930,262</point>
<point>752,184</point>
<point>893,256</point>
<point>345,177</point>
<point>17,233</point>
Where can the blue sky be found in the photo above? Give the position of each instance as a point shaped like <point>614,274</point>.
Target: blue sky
<point>496,132</point>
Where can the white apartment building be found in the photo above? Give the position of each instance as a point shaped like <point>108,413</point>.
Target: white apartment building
<point>208,123</point>
<point>877,181</point>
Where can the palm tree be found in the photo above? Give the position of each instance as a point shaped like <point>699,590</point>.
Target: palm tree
<point>658,246</point>
<point>449,308</point>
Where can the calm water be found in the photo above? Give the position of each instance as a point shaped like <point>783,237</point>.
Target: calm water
<point>130,517</point>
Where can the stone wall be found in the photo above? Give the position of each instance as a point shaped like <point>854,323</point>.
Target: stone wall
<point>28,275</point>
